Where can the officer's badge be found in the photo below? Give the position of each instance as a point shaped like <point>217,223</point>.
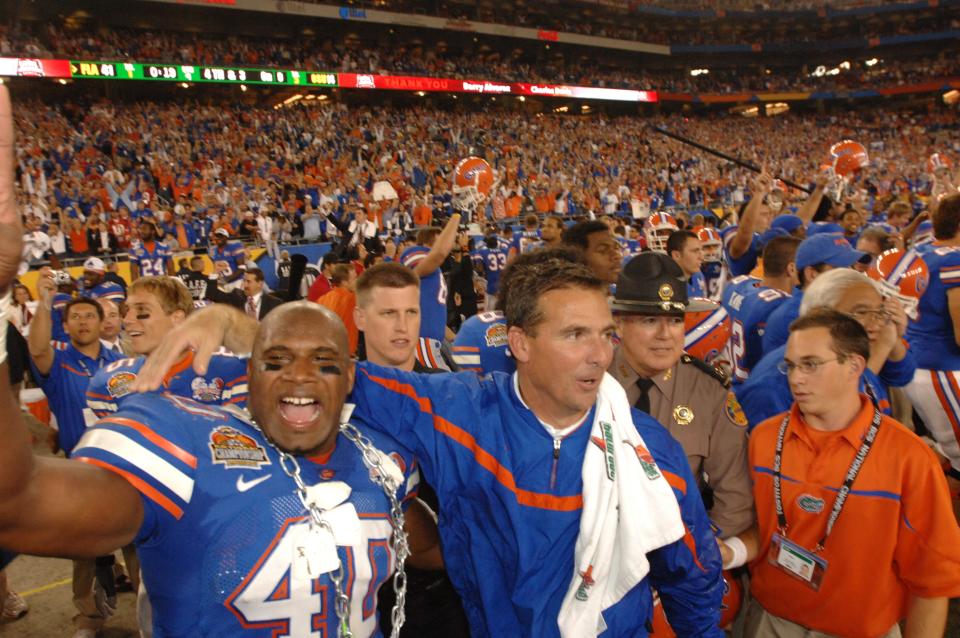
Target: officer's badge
<point>683,415</point>
<point>665,292</point>
<point>734,411</point>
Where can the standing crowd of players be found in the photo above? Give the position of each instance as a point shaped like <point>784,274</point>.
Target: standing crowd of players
<point>646,419</point>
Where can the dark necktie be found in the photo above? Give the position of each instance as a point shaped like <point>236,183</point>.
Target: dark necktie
<point>643,403</point>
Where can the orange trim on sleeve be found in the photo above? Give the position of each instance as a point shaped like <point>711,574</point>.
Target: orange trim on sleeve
<point>154,438</point>
<point>945,403</point>
<point>482,457</point>
<point>675,480</point>
<point>105,397</point>
<point>178,367</point>
<point>141,486</point>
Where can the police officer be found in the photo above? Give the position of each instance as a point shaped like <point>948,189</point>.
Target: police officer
<point>689,397</point>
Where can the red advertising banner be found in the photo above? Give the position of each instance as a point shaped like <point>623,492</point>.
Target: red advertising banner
<point>34,68</point>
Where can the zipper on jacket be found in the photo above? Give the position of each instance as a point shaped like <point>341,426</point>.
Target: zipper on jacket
<point>556,461</point>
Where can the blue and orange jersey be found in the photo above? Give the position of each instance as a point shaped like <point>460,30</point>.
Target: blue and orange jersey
<point>221,519</point>
<point>745,263</point>
<point>227,260</point>
<point>224,383</point>
<point>65,386</point>
<point>481,344</point>
<point>749,305</point>
<point>900,496</point>
<point>931,336</point>
<point>106,290</point>
<point>152,260</point>
<point>512,504</point>
<point>433,295</point>
<point>493,261</point>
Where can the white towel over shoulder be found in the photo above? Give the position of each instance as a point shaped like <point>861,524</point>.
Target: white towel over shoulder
<point>629,509</point>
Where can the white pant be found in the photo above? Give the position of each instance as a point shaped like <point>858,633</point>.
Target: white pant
<point>935,394</point>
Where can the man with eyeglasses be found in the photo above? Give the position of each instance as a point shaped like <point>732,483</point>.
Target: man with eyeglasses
<point>890,364</point>
<point>855,523</point>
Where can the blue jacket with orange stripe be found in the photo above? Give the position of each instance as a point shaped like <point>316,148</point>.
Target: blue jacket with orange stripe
<point>510,509</point>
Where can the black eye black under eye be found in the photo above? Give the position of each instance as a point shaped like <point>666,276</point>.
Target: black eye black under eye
<point>327,368</point>
<point>143,317</point>
<point>270,366</point>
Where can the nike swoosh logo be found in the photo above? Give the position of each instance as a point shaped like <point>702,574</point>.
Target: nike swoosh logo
<point>243,486</point>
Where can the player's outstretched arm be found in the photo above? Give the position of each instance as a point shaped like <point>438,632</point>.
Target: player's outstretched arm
<point>48,506</point>
<point>203,332</point>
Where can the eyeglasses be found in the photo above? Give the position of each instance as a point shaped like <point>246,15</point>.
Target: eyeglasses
<point>807,366</point>
<point>881,317</point>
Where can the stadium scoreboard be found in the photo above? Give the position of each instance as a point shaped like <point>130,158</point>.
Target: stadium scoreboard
<point>191,73</point>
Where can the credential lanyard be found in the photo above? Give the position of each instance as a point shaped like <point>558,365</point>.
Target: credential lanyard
<point>852,473</point>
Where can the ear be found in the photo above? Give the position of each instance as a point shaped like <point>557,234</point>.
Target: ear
<point>519,343</point>
<point>792,270</point>
<point>351,375</point>
<point>177,317</point>
<point>360,318</point>
<point>858,364</point>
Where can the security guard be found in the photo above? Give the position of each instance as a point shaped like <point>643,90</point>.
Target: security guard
<point>689,397</point>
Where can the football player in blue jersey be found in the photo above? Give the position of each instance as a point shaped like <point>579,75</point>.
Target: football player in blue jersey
<point>154,307</point>
<point>601,251</point>
<point>529,237</point>
<point>752,303</point>
<point>227,256</point>
<point>246,526</point>
<point>519,512</point>
<point>425,258</point>
<point>151,257</point>
<point>94,284</point>
<point>493,260</point>
<point>934,337</point>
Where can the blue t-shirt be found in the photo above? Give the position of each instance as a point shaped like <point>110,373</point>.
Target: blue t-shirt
<point>65,386</point>
<point>221,520</point>
<point>931,336</point>
<point>433,295</point>
<point>778,324</point>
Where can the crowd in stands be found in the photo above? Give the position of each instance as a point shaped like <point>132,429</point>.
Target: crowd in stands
<point>89,171</point>
<point>525,63</point>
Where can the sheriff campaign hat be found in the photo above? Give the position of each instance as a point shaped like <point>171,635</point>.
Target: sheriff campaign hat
<point>652,284</point>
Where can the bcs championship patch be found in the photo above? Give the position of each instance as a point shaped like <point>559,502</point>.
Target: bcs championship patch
<point>734,411</point>
<point>118,385</point>
<point>496,335</point>
<point>232,448</point>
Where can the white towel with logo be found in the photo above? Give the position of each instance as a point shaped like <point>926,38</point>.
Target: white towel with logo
<point>629,509</point>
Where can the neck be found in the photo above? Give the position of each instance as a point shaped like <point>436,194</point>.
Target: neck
<point>542,407</point>
<point>948,242</point>
<point>838,416</point>
<point>92,350</point>
<point>782,284</point>
<point>407,366</point>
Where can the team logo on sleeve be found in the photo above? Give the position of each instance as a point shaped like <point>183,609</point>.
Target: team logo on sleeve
<point>232,448</point>
<point>496,335</point>
<point>207,391</point>
<point>734,412</point>
<point>118,385</point>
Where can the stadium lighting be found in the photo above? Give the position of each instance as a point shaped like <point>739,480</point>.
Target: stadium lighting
<point>845,65</point>
<point>951,97</point>
<point>871,61</point>
<point>310,97</point>
<point>62,81</point>
<point>522,99</point>
<point>819,72</point>
<point>293,98</point>
<point>696,72</point>
<point>184,85</point>
<point>421,93</point>
<point>243,87</point>
<point>323,97</point>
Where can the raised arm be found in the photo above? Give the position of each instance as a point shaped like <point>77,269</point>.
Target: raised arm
<point>41,327</point>
<point>744,235</point>
<point>47,506</point>
<point>440,249</point>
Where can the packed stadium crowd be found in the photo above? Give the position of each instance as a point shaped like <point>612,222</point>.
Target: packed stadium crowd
<point>523,63</point>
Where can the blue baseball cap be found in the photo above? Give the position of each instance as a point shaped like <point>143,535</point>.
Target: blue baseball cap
<point>788,223</point>
<point>828,248</point>
<point>823,227</point>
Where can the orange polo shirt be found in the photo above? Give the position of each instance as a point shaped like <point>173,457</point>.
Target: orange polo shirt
<point>896,536</point>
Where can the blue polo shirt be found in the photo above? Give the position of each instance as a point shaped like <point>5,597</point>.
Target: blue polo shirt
<point>65,386</point>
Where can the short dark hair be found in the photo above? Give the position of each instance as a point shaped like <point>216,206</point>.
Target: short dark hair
<point>76,301</point>
<point>521,264</point>
<point>426,236</point>
<point>946,218</point>
<point>340,273</point>
<point>801,272</point>
<point>386,275</point>
<point>577,234</point>
<point>531,220</point>
<point>847,335</point>
<point>678,239</point>
<point>779,253</point>
<point>530,279</point>
<point>256,272</point>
